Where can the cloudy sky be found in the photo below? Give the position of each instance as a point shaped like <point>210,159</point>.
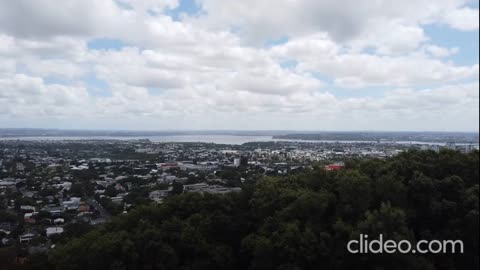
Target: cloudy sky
<point>225,64</point>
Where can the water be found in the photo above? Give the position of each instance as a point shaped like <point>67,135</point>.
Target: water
<point>218,139</point>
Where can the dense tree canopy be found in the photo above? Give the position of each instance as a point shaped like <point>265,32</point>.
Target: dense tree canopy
<point>299,221</point>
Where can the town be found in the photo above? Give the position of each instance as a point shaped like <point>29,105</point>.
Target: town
<point>52,190</point>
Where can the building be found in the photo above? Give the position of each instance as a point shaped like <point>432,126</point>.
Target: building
<point>26,238</point>
<point>83,207</point>
<point>59,221</point>
<point>236,162</point>
<point>335,166</point>
<point>71,204</point>
<point>158,195</point>
<point>29,218</point>
<point>54,210</point>
<point>451,145</point>
<point>117,199</point>
<point>469,148</point>
<point>197,167</point>
<point>206,188</point>
<point>54,230</point>
<point>167,165</point>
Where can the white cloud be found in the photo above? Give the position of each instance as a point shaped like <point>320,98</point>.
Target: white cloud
<point>362,21</point>
<point>46,18</point>
<point>22,95</point>
<point>465,19</point>
<point>437,51</point>
<point>212,70</point>
<point>357,70</point>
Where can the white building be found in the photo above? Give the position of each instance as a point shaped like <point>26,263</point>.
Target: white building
<point>59,221</point>
<point>54,230</point>
<point>236,162</point>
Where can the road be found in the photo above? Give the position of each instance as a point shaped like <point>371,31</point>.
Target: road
<point>100,209</point>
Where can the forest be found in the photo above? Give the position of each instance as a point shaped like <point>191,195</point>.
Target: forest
<point>301,221</point>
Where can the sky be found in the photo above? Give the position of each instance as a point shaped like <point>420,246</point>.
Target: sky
<point>240,65</point>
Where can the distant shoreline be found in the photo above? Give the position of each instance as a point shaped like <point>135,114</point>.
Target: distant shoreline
<point>241,136</point>
<point>217,139</point>
<point>440,137</point>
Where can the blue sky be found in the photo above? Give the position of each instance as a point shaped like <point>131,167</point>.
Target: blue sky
<point>189,7</point>
<point>467,42</point>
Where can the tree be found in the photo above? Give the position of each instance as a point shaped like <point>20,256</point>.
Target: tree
<point>301,221</point>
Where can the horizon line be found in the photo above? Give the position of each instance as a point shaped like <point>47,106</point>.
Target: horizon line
<point>235,130</point>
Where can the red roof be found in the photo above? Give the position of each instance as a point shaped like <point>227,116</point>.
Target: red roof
<point>332,167</point>
<point>169,164</point>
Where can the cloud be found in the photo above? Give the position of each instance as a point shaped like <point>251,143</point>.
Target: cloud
<point>219,68</point>
<point>22,95</point>
<point>356,70</point>
<point>342,20</point>
<point>437,51</point>
<point>46,18</point>
<point>30,97</point>
<point>465,19</point>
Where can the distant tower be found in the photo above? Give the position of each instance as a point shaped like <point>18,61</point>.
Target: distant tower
<point>236,162</point>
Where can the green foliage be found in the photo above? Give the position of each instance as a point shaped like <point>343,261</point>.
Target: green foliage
<point>6,216</point>
<point>302,221</point>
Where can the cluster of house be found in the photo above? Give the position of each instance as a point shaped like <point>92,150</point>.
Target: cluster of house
<point>265,153</point>
<point>38,207</point>
<point>48,220</point>
<point>464,148</point>
<point>202,188</point>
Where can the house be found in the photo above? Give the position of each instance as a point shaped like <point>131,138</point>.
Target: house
<point>20,166</point>
<point>117,200</point>
<point>167,165</point>
<point>26,238</point>
<point>7,227</point>
<point>28,194</point>
<point>169,178</point>
<point>27,208</point>
<point>158,195</point>
<point>54,210</point>
<point>194,187</point>
<point>335,166</point>
<point>98,221</point>
<point>59,221</point>
<point>83,207</point>
<point>8,183</point>
<point>71,204</point>
<point>29,218</point>
<point>64,185</point>
<point>53,231</point>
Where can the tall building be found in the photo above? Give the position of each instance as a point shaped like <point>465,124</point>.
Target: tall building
<point>236,162</point>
